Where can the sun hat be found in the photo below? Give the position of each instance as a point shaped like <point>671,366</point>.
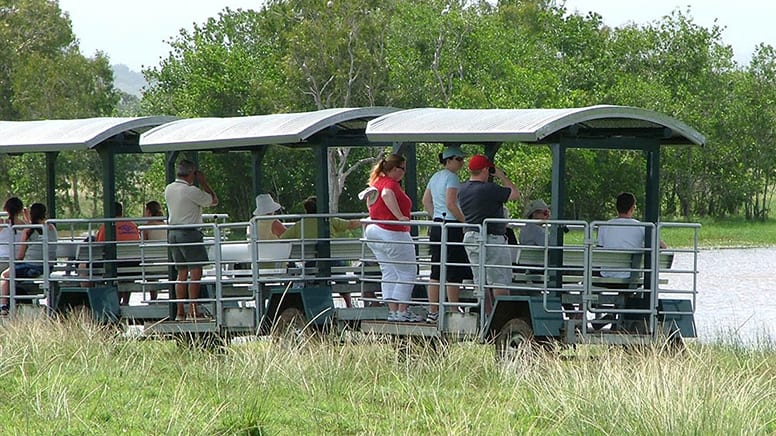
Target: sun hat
<point>535,206</point>
<point>265,205</point>
<point>479,162</point>
<point>452,151</point>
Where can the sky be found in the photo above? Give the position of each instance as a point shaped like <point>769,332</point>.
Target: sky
<point>133,32</point>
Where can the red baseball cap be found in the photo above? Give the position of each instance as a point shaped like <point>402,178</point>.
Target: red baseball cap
<point>479,162</point>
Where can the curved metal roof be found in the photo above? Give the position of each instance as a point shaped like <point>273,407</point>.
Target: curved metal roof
<point>526,125</point>
<point>63,135</point>
<point>244,132</point>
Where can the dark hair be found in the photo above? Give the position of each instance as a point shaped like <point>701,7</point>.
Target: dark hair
<point>119,208</point>
<point>155,208</point>
<point>37,215</point>
<point>310,204</point>
<point>625,202</point>
<point>14,207</point>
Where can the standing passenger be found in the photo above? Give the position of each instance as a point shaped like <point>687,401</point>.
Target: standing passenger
<point>441,202</point>
<point>392,243</point>
<point>481,199</point>
<point>185,202</point>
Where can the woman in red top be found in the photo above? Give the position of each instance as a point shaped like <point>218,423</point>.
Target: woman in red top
<point>392,243</point>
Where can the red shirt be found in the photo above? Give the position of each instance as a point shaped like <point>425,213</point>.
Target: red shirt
<point>379,211</point>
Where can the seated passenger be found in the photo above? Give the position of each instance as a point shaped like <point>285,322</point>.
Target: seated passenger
<point>623,236</point>
<point>307,228</point>
<point>154,209</point>
<point>534,233</point>
<point>30,252</point>
<point>268,229</point>
<point>125,231</point>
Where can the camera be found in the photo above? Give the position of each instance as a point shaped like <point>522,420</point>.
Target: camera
<point>492,170</point>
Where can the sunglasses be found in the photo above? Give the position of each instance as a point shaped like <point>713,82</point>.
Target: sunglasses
<point>401,168</point>
<point>458,158</point>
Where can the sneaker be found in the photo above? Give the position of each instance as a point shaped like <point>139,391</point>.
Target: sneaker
<point>432,317</point>
<point>392,316</point>
<point>3,310</point>
<point>408,316</point>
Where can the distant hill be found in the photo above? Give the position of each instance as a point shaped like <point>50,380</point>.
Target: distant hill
<point>127,80</point>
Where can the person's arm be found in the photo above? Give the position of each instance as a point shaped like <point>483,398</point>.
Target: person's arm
<point>389,198</point>
<point>428,203</point>
<point>514,193</point>
<point>278,228</point>
<point>451,198</point>
<point>23,247</point>
<point>203,185</point>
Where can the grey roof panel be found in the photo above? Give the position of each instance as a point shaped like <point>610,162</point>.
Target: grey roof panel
<point>62,135</point>
<point>235,132</point>
<point>517,125</point>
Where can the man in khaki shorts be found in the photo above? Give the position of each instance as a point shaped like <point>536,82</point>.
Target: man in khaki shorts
<point>184,205</point>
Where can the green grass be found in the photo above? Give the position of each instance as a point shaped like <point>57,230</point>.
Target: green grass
<point>72,377</point>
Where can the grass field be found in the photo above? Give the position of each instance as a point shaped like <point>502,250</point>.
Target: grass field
<point>74,377</point>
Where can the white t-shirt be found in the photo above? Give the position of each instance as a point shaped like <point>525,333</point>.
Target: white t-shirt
<point>185,202</point>
<point>620,237</point>
<point>7,237</point>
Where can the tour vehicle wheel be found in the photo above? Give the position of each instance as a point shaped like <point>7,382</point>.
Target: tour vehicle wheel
<point>291,324</point>
<point>514,340</point>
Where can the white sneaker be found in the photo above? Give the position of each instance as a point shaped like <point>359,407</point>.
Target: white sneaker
<point>392,316</point>
<point>408,316</point>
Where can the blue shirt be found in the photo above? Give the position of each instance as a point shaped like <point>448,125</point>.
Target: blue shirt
<point>440,182</point>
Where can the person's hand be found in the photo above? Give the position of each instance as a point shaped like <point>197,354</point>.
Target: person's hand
<point>499,173</point>
<point>26,215</point>
<point>199,176</point>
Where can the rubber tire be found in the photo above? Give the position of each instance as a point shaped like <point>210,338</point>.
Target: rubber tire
<point>515,339</point>
<point>290,324</point>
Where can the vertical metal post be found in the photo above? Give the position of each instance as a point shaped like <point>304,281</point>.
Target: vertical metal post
<point>51,181</point>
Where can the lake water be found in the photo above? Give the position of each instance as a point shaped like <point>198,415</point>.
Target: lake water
<point>736,293</point>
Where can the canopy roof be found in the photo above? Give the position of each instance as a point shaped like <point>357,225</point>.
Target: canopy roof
<point>245,132</point>
<point>528,125</point>
<point>78,134</point>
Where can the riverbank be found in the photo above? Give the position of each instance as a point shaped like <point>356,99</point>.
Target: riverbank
<point>727,233</point>
<point>73,377</point>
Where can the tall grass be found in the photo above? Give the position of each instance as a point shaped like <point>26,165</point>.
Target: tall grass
<point>72,377</point>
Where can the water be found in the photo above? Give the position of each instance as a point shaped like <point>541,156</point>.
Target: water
<point>736,294</point>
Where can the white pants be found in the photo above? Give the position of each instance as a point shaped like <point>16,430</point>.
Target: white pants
<point>390,247</point>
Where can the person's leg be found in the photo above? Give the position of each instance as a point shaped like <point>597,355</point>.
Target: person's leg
<point>346,298</point>
<point>194,285</point>
<point>499,274</point>
<point>376,236</point>
<point>5,287</point>
<point>180,290</point>
<point>434,238</point>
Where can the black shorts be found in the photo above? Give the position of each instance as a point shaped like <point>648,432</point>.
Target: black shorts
<point>455,254</point>
<point>186,248</point>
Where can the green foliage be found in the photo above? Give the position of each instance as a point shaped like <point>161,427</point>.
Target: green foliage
<point>301,55</point>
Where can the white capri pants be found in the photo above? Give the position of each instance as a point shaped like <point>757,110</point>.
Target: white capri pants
<point>394,246</point>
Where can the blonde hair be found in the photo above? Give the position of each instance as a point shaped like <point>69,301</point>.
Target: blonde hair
<point>385,165</point>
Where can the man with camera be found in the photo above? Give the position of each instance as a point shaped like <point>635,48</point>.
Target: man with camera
<point>184,204</point>
<point>479,199</point>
